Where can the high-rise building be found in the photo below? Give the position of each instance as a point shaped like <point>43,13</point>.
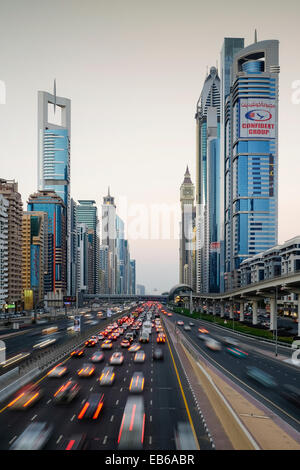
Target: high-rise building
<point>187,197</point>
<point>208,191</point>
<point>86,213</point>
<point>34,244</point>
<point>140,289</point>
<point>230,47</point>
<point>82,258</point>
<point>109,238</point>
<point>103,269</point>
<point>251,132</point>
<point>120,256</point>
<point>132,277</point>
<point>72,272</point>
<point>9,190</point>
<point>3,250</point>
<point>54,157</point>
<point>55,282</point>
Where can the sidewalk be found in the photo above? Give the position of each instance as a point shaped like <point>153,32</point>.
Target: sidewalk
<point>235,419</point>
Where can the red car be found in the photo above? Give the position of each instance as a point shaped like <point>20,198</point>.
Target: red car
<point>125,343</point>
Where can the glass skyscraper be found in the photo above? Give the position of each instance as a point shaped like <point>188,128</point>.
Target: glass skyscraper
<point>251,136</point>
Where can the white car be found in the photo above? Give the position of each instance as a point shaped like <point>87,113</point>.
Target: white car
<point>34,437</point>
<point>213,344</point>
<point>187,328</point>
<point>116,358</point>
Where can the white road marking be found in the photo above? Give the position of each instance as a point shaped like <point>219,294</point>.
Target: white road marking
<point>117,402</point>
<point>12,440</point>
<point>59,439</point>
<point>150,418</point>
<point>49,401</point>
<point>121,389</point>
<point>150,440</point>
<point>72,417</point>
<point>104,440</point>
<point>112,418</point>
<point>33,417</point>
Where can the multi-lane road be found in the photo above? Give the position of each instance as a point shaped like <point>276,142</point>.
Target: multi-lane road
<point>167,400</point>
<point>260,355</point>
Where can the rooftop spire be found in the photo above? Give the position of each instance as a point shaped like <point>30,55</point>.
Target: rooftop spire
<point>187,176</point>
<point>54,94</point>
<point>255,36</point>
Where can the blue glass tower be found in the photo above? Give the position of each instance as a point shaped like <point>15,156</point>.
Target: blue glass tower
<point>252,131</point>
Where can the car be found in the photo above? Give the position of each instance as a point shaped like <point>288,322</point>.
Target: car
<point>191,323</point>
<point>134,347</point>
<point>79,352</point>
<point>180,323</point>
<point>87,370</point>
<point>131,433</point>
<point>261,377</point>
<point>202,330</point>
<point>58,371</point>
<point>169,314</point>
<point>92,407</point>
<point>107,376</point>
<point>203,336</point>
<point>116,358</point>
<point>98,356</point>
<point>76,442</point>
<point>144,338</point>
<point>213,344</point>
<point>137,383</point>
<point>158,354</point>
<point>100,336</point>
<point>161,338</point>
<point>34,437</point>
<point>291,393</point>
<point>237,352</point>
<point>125,343</point>
<point>184,437</point>
<point>66,392</point>
<point>26,397</point>
<point>230,341</point>
<point>107,344</point>
<point>187,328</point>
<point>139,357</point>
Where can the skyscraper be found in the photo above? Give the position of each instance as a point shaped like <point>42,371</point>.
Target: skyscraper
<point>3,250</point>
<point>208,192</point>
<point>82,258</point>
<point>132,277</point>
<point>87,214</point>
<point>230,47</point>
<point>54,156</point>
<point>9,190</point>
<point>187,197</point>
<point>34,259</point>
<point>252,135</point>
<point>55,282</point>
<point>109,238</point>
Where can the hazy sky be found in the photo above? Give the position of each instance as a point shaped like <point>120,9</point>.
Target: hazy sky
<point>134,70</point>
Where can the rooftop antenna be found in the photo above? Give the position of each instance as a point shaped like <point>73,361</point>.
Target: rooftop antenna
<point>255,36</point>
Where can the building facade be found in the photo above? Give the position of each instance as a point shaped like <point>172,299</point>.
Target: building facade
<point>86,213</point>
<point>187,197</point>
<point>208,185</point>
<point>54,140</point>
<point>251,133</point>
<point>14,211</point>
<point>55,278</point>
<point>3,250</point>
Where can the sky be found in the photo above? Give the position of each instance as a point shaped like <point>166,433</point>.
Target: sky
<point>134,71</point>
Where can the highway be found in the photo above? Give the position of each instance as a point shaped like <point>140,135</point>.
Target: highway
<point>167,401</point>
<point>260,355</point>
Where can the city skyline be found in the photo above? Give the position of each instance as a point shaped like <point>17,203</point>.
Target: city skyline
<point>161,112</point>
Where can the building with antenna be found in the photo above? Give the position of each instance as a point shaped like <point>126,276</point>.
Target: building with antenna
<point>208,190</point>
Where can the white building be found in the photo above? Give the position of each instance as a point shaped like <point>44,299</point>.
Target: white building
<point>3,250</point>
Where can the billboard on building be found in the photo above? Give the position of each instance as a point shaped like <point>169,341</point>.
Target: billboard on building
<point>257,118</point>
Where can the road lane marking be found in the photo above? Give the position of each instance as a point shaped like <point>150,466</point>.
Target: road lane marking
<point>49,401</point>
<point>12,440</point>
<point>59,439</point>
<point>72,417</point>
<point>33,417</point>
<point>104,440</point>
<point>112,418</point>
<point>117,402</point>
<point>183,395</point>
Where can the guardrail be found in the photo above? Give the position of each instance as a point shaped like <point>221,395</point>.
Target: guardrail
<point>41,360</point>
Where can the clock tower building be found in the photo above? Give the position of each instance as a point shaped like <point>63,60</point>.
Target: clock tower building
<point>187,197</point>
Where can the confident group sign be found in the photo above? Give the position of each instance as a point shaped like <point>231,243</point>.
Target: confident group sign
<point>257,118</point>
